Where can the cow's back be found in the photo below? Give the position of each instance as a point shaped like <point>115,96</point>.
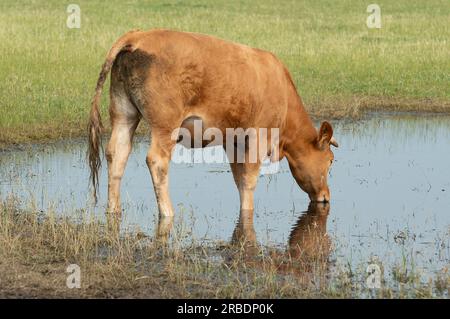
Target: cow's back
<point>227,84</point>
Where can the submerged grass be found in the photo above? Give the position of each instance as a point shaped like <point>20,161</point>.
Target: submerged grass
<point>340,66</point>
<point>36,249</point>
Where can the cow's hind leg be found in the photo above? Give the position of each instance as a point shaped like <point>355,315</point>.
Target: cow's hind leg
<point>124,121</point>
<point>158,160</point>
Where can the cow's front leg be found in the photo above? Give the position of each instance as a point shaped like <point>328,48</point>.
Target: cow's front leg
<point>246,177</point>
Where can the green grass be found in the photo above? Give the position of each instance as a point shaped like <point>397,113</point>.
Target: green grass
<point>340,66</point>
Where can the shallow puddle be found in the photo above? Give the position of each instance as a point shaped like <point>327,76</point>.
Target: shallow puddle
<point>390,187</point>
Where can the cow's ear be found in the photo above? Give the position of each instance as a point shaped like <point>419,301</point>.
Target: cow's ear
<point>325,135</point>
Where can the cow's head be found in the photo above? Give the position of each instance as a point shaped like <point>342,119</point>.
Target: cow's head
<point>312,162</point>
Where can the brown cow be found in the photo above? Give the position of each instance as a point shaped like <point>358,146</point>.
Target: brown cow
<point>168,77</point>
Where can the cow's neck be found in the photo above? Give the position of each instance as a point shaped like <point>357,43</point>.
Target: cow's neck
<point>299,131</point>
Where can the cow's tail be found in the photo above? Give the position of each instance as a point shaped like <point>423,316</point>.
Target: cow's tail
<point>125,43</point>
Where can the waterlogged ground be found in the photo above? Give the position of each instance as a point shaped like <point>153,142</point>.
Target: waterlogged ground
<point>390,186</point>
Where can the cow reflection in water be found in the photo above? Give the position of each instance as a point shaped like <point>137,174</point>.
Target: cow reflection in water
<point>307,250</point>
<point>308,247</point>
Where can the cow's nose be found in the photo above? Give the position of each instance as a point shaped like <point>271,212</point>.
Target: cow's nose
<point>323,197</point>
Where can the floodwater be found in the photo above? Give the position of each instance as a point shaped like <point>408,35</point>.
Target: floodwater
<point>390,186</point>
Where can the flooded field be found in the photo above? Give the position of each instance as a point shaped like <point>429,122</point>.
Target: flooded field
<point>390,188</point>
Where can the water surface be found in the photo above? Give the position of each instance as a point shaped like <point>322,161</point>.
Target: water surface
<point>390,185</point>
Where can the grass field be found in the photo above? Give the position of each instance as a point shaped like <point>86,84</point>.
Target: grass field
<point>340,66</point>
